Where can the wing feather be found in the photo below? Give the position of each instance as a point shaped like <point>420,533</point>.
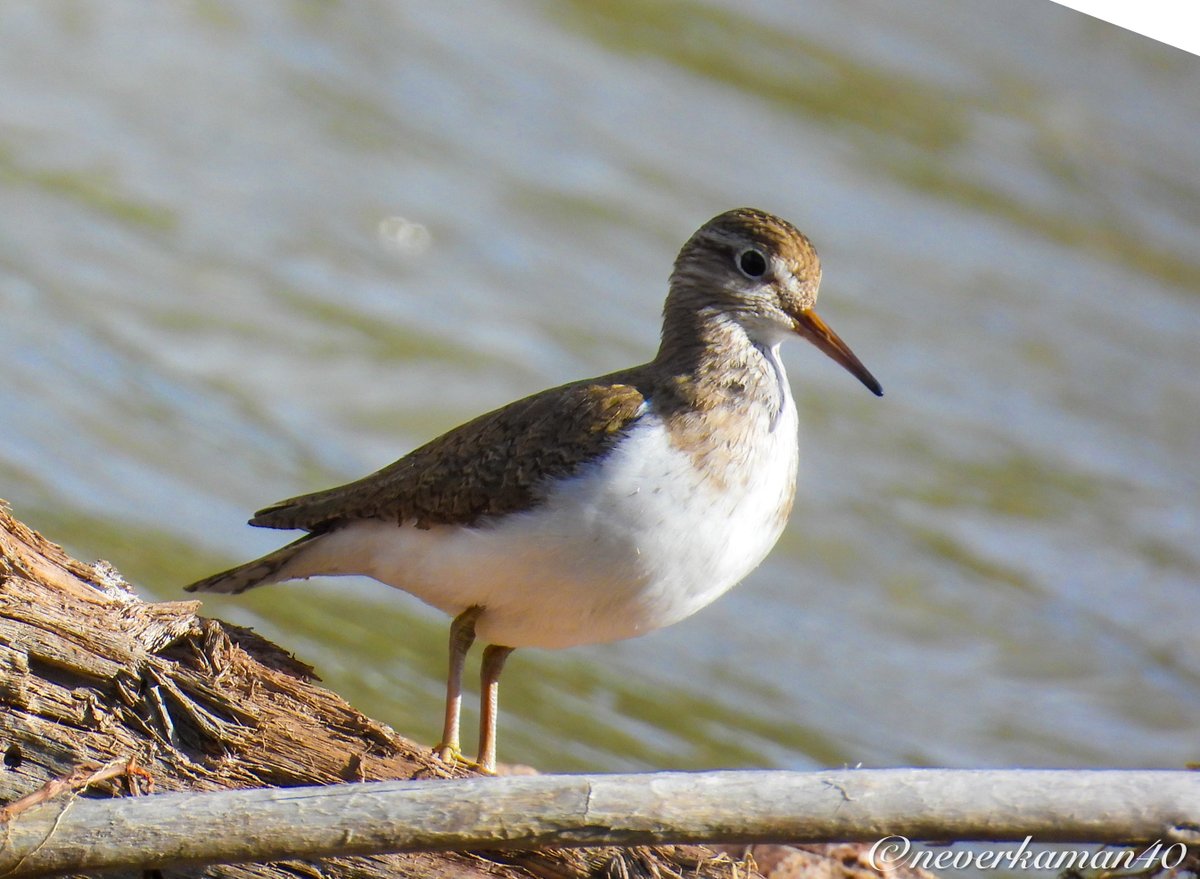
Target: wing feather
<point>496,464</point>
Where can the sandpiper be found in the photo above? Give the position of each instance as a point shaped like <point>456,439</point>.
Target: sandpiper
<point>601,509</point>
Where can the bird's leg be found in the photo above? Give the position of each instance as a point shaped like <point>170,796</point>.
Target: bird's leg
<point>493,664</point>
<point>462,635</point>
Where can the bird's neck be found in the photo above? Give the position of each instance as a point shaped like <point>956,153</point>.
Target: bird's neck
<point>711,360</point>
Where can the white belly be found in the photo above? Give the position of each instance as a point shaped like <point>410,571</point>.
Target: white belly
<point>631,544</point>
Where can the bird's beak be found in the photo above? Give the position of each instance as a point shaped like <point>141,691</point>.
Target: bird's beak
<point>811,327</point>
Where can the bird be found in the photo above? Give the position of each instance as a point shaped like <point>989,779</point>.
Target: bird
<point>601,509</point>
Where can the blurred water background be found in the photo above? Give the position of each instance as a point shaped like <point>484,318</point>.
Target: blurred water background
<point>253,250</point>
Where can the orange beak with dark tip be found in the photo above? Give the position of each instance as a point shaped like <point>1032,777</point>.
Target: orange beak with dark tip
<point>811,327</point>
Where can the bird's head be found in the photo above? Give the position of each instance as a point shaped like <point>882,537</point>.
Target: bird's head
<point>762,273</point>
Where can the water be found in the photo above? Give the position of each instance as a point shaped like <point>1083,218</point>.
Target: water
<point>249,251</point>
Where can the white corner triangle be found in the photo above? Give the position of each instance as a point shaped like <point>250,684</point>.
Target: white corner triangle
<point>1174,22</point>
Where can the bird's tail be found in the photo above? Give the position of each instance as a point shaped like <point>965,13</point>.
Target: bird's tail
<point>261,571</point>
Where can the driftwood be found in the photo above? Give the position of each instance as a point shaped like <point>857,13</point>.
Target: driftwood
<point>102,695</point>
<point>1116,806</point>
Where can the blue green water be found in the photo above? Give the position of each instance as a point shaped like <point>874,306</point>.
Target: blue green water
<point>996,564</point>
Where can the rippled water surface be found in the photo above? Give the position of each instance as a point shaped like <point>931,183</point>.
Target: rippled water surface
<point>996,564</point>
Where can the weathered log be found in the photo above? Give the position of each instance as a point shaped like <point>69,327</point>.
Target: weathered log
<point>91,677</point>
<point>1080,806</point>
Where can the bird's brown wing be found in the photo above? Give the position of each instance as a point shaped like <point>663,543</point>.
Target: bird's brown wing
<point>492,465</point>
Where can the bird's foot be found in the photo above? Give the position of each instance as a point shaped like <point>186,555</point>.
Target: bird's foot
<point>452,754</point>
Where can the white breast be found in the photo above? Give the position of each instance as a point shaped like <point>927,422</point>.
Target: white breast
<point>634,542</point>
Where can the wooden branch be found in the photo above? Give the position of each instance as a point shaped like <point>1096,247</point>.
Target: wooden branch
<point>1112,806</point>
<point>80,778</point>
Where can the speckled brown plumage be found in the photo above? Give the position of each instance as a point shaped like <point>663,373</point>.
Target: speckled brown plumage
<point>490,466</point>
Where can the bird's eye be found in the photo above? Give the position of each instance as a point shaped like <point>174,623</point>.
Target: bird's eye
<point>752,263</point>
